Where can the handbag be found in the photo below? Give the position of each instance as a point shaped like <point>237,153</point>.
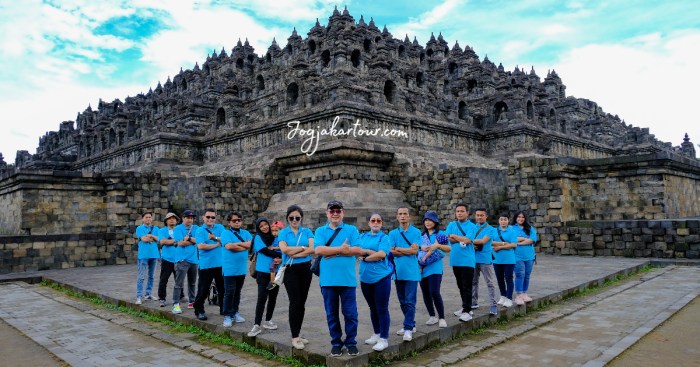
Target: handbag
<point>316,264</point>
<point>434,255</point>
<point>251,266</point>
<point>279,277</point>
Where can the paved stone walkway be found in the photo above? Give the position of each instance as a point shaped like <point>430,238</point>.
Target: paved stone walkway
<point>81,335</point>
<point>586,332</point>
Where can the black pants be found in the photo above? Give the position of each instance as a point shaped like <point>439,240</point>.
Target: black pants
<point>464,276</point>
<point>166,270</point>
<point>233,285</point>
<point>297,280</point>
<point>205,278</point>
<point>263,279</point>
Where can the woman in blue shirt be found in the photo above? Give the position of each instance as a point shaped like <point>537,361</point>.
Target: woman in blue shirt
<point>524,256</point>
<point>375,280</point>
<point>264,244</point>
<point>431,274</point>
<point>297,245</point>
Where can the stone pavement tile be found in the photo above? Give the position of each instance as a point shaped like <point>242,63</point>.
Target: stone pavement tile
<point>223,357</point>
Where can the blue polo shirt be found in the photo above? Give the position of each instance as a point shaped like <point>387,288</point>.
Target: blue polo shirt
<point>485,255</point>
<point>436,267</point>
<point>234,263</point>
<point>147,250</point>
<point>505,235</point>
<point>461,255</point>
<point>525,253</point>
<point>338,270</point>
<point>406,266</point>
<point>189,252</point>
<point>374,271</point>
<point>209,258</point>
<point>293,240</point>
<point>262,264</point>
<point>168,252</point>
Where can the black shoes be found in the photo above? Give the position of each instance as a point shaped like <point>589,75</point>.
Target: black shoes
<point>202,316</point>
<point>336,351</point>
<point>352,350</point>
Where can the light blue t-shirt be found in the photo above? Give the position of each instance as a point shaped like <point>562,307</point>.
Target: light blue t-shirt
<point>189,252</point>
<point>525,253</point>
<point>209,258</point>
<point>485,255</point>
<point>234,263</point>
<point>262,264</point>
<point>168,252</point>
<point>436,267</point>
<point>374,271</point>
<point>505,235</point>
<point>338,270</point>
<point>461,255</point>
<point>406,266</point>
<point>147,250</point>
<point>293,240</point>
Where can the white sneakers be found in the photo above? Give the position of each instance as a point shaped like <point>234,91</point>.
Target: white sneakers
<point>465,317</point>
<point>526,298</point>
<point>372,339</point>
<point>402,331</point>
<point>501,301</point>
<point>432,320</point>
<point>255,330</point>
<point>381,345</point>
<point>442,323</point>
<point>519,300</point>
<point>507,303</point>
<point>407,335</point>
<point>459,312</point>
<point>269,325</point>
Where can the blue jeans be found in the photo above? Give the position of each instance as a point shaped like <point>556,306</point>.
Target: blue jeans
<point>504,276</point>
<point>232,293</point>
<point>348,303</point>
<point>377,296</point>
<point>406,292</point>
<point>523,269</point>
<point>143,265</point>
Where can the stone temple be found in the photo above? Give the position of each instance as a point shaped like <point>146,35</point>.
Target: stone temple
<point>349,112</point>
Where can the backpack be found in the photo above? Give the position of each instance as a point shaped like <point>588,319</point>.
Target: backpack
<point>213,295</point>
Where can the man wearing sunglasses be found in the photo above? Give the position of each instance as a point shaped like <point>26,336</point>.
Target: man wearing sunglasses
<point>208,239</point>
<point>337,243</point>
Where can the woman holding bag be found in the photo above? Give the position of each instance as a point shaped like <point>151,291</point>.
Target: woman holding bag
<point>297,245</point>
<point>264,239</point>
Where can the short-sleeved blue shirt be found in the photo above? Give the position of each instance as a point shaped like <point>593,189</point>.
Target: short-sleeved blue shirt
<point>209,258</point>
<point>293,240</point>
<point>189,252</point>
<point>338,270</point>
<point>374,271</point>
<point>436,267</point>
<point>461,255</point>
<point>505,235</point>
<point>168,252</point>
<point>147,250</point>
<point>406,266</point>
<point>485,255</point>
<point>234,263</point>
<point>525,253</point>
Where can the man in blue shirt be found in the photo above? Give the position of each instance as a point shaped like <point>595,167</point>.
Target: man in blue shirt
<point>337,243</point>
<point>166,239</point>
<point>482,238</point>
<point>186,260</point>
<point>406,239</point>
<point>462,258</point>
<point>148,256</point>
<point>208,239</point>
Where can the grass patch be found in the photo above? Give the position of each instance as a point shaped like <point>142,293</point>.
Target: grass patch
<point>176,327</point>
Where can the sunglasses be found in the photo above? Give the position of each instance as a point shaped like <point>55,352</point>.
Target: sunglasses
<point>335,211</point>
<point>236,220</point>
<point>294,219</point>
<point>375,220</point>
<point>210,217</point>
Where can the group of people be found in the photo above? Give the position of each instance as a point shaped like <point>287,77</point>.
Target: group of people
<point>409,256</point>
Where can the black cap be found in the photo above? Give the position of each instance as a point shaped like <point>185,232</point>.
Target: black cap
<point>188,213</point>
<point>334,204</point>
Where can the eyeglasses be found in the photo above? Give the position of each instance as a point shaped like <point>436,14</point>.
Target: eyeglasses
<point>294,219</point>
<point>335,211</point>
<point>236,220</point>
<point>210,216</point>
<point>375,220</point>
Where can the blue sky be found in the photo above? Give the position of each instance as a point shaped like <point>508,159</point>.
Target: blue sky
<point>637,59</point>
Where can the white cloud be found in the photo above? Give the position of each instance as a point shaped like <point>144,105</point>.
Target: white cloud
<point>649,81</point>
<point>444,13</point>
